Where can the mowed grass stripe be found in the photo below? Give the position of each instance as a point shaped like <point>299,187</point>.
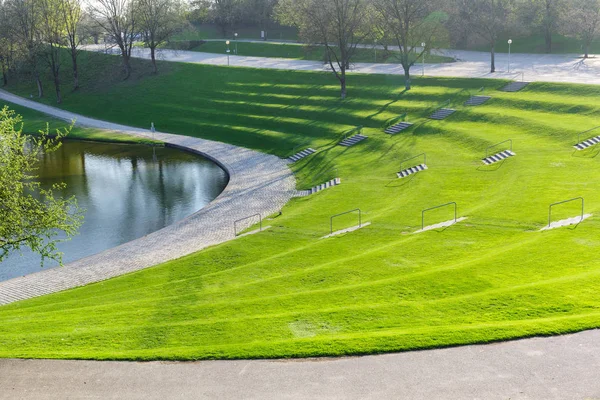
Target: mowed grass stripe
<point>286,293</point>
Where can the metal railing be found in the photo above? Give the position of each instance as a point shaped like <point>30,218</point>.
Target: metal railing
<point>245,218</point>
<point>412,158</point>
<point>434,208</point>
<point>333,168</point>
<point>584,132</point>
<point>563,202</point>
<point>344,213</point>
<point>296,147</point>
<point>498,144</point>
<point>394,121</point>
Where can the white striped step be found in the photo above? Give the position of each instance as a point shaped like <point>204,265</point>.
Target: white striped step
<point>392,130</point>
<point>351,141</point>
<point>300,155</point>
<point>477,100</point>
<point>442,113</point>
<point>498,157</point>
<point>514,86</point>
<point>587,143</point>
<point>412,170</point>
<point>318,188</point>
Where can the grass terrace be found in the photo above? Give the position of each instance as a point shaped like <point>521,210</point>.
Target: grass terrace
<point>286,292</point>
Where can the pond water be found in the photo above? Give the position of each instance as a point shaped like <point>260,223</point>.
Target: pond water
<point>127,191</point>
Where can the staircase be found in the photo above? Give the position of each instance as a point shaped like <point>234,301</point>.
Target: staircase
<point>498,157</point>
<point>442,113</point>
<point>412,170</point>
<point>299,156</point>
<point>318,188</point>
<point>477,100</point>
<point>587,143</point>
<point>351,141</point>
<point>514,86</point>
<point>392,130</point>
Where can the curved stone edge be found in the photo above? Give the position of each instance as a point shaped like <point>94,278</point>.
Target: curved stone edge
<point>258,184</point>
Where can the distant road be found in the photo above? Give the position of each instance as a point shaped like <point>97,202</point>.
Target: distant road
<point>470,64</point>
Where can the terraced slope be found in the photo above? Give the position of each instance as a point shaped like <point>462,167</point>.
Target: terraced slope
<point>285,292</point>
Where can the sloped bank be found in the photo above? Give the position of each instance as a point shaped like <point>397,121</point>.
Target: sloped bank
<point>258,184</point>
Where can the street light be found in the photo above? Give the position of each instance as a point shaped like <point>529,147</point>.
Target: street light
<point>423,46</point>
<point>228,51</point>
<point>236,35</point>
<point>509,43</point>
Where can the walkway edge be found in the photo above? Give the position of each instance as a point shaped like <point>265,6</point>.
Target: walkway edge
<point>258,184</point>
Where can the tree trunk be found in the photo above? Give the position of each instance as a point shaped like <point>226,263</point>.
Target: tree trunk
<point>126,66</point>
<point>548,39</point>
<point>4,74</point>
<point>586,48</point>
<point>57,87</point>
<point>343,84</point>
<point>153,57</point>
<point>407,78</point>
<point>75,69</point>
<point>493,59</point>
<point>38,81</point>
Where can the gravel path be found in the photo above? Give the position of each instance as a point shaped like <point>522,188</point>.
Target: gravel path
<point>470,64</point>
<point>562,367</point>
<point>259,183</point>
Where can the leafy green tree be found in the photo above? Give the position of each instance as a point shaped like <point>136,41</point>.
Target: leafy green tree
<point>31,216</point>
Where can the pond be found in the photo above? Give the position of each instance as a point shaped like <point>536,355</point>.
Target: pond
<point>127,191</point>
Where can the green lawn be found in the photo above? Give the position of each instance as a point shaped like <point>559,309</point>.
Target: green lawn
<point>299,52</point>
<point>537,45</point>
<point>211,31</point>
<point>286,292</point>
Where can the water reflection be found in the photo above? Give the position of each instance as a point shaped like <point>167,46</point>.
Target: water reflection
<point>128,191</point>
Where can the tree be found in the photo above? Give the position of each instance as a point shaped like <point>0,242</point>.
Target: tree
<point>411,23</point>
<point>544,16</point>
<point>71,13</point>
<point>583,18</point>
<point>118,19</point>
<point>25,19</point>
<point>51,35</point>
<point>338,25</point>
<point>487,18</point>
<point>225,14</point>
<point>158,21</point>
<point>30,216</point>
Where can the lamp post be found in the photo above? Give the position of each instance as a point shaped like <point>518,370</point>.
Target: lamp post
<point>423,71</point>
<point>235,35</point>
<point>509,43</point>
<point>228,51</point>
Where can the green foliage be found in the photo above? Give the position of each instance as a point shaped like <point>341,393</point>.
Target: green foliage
<point>29,215</point>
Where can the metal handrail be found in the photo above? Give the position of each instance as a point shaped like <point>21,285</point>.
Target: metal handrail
<point>299,145</point>
<point>412,158</point>
<point>562,202</point>
<point>498,144</point>
<point>358,128</point>
<point>433,208</point>
<point>393,121</point>
<point>344,213</point>
<point>245,218</point>
<point>581,133</point>
<point>327,170</point>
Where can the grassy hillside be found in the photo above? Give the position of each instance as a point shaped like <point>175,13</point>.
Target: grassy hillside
<point>286,292</point>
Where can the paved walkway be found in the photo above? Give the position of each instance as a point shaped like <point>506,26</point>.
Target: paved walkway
<point>258,183</point>
<point>563,367</point>
<point>470,64</point>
